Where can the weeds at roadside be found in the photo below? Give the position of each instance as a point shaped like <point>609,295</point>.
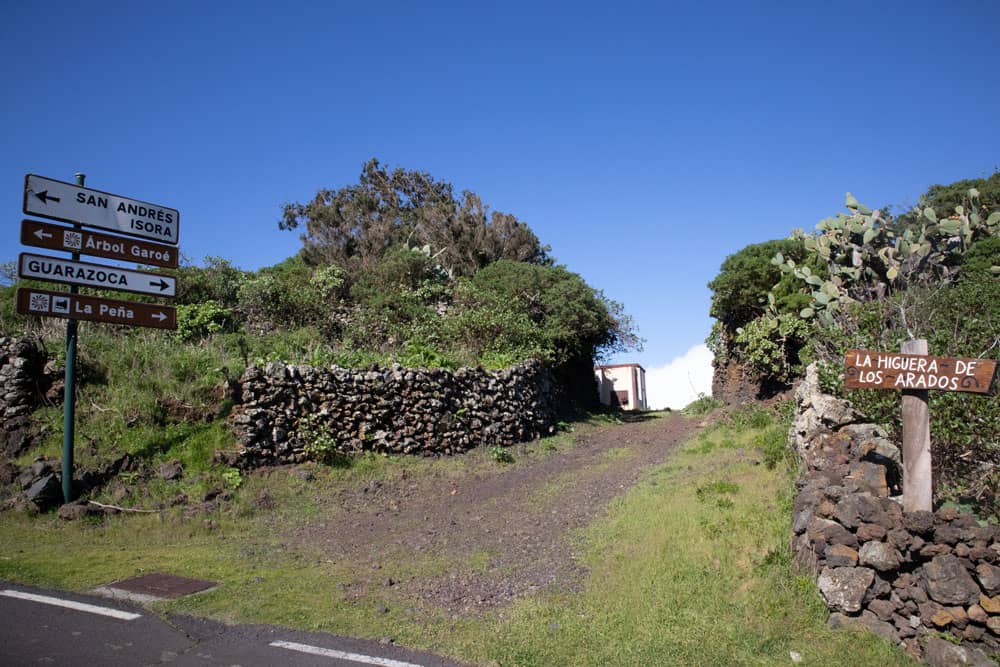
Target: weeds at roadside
<point>233,478</point>
<point>500,454</point>
<point>701,406</point>
<point>319,445</point>
<point>773,444</point>
<point>716,488</point>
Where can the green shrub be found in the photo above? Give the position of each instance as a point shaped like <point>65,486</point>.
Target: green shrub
<point>217,281</point>
<point>420,353</point>
<point>752,416</point>
<point>716,488</point>
<point>291,294</point>
<point>500,454</point>
<point>232,478</point>
<point>769,346</point>
<point>552,308</point>
<point>747,276</point>
<point>982,261</point>
<point>319,445</point>
<point>198,320</point>
<point>773,445</point>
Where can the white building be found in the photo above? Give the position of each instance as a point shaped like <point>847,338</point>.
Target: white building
<point>622,385</point>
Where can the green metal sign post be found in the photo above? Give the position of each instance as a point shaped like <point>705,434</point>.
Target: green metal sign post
<point>69,395</point>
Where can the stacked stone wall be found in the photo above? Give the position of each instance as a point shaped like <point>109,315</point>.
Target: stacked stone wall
<point>282,410</point>
<point>907,576</point>
<point>22,382</point>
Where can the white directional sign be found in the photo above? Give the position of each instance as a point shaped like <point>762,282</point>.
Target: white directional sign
<point>57,270</point>
<point>58,200</point>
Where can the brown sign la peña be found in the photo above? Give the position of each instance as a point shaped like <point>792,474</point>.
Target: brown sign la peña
<point>47,303</point>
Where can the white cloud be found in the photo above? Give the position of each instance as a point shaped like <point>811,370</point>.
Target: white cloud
<point>680,381</point>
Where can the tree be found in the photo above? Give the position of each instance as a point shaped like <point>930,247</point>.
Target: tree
<point>355,226</point>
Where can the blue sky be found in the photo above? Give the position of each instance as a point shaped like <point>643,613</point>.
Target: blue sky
<point>643,141</point>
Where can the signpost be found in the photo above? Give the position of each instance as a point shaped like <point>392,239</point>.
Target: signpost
<point>56,237</point>
<point>915,372</point>
<point>47,303</point>
<point>58,200</point>
<point>101,276</point>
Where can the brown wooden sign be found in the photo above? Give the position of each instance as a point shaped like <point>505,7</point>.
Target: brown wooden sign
<point>31,301</point>
<point>866,369</point>
<point>57,237</point>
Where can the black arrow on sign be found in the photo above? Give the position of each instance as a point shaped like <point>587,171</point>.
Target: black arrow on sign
<point>162,284</point>
<point>46,197</point>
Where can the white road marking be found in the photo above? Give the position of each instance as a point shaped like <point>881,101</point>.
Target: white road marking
<point>69,604</point>
<point>342,655</point>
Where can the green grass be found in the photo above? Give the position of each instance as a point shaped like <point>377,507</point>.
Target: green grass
<point>690,567</point>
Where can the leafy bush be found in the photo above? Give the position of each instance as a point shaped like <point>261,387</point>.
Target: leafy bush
<point>571,320</point>
<point>198,320</point>
<point>232,478</point>
<point>747,276</point>
<point>420,353</point>
<point>319,445</point>
<point>217,281</point>
<point>753,416</point>
<point>769,346</point>
<point>757,306</point>
<point>486,324</point>
<point>291,294</point>
<point>500,454</point>
<point>773,444</point>
<point>982,260</point>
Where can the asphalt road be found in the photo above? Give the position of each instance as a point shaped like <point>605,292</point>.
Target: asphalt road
<point>44,631</point>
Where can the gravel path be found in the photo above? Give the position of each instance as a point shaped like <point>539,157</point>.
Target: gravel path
<point>495,532</point>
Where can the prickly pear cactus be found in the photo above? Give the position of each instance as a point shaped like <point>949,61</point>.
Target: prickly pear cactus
<point>867,257</point>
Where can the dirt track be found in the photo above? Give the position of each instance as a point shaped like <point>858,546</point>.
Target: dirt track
<point>500,531</point>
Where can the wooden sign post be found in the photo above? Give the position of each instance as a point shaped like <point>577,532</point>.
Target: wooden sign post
<point>914,372</point>
<point>917,482</point>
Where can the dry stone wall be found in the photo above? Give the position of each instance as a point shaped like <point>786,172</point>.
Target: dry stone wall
<point>906,576</point>
<point>21,391</point>
<point>284,410</point>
